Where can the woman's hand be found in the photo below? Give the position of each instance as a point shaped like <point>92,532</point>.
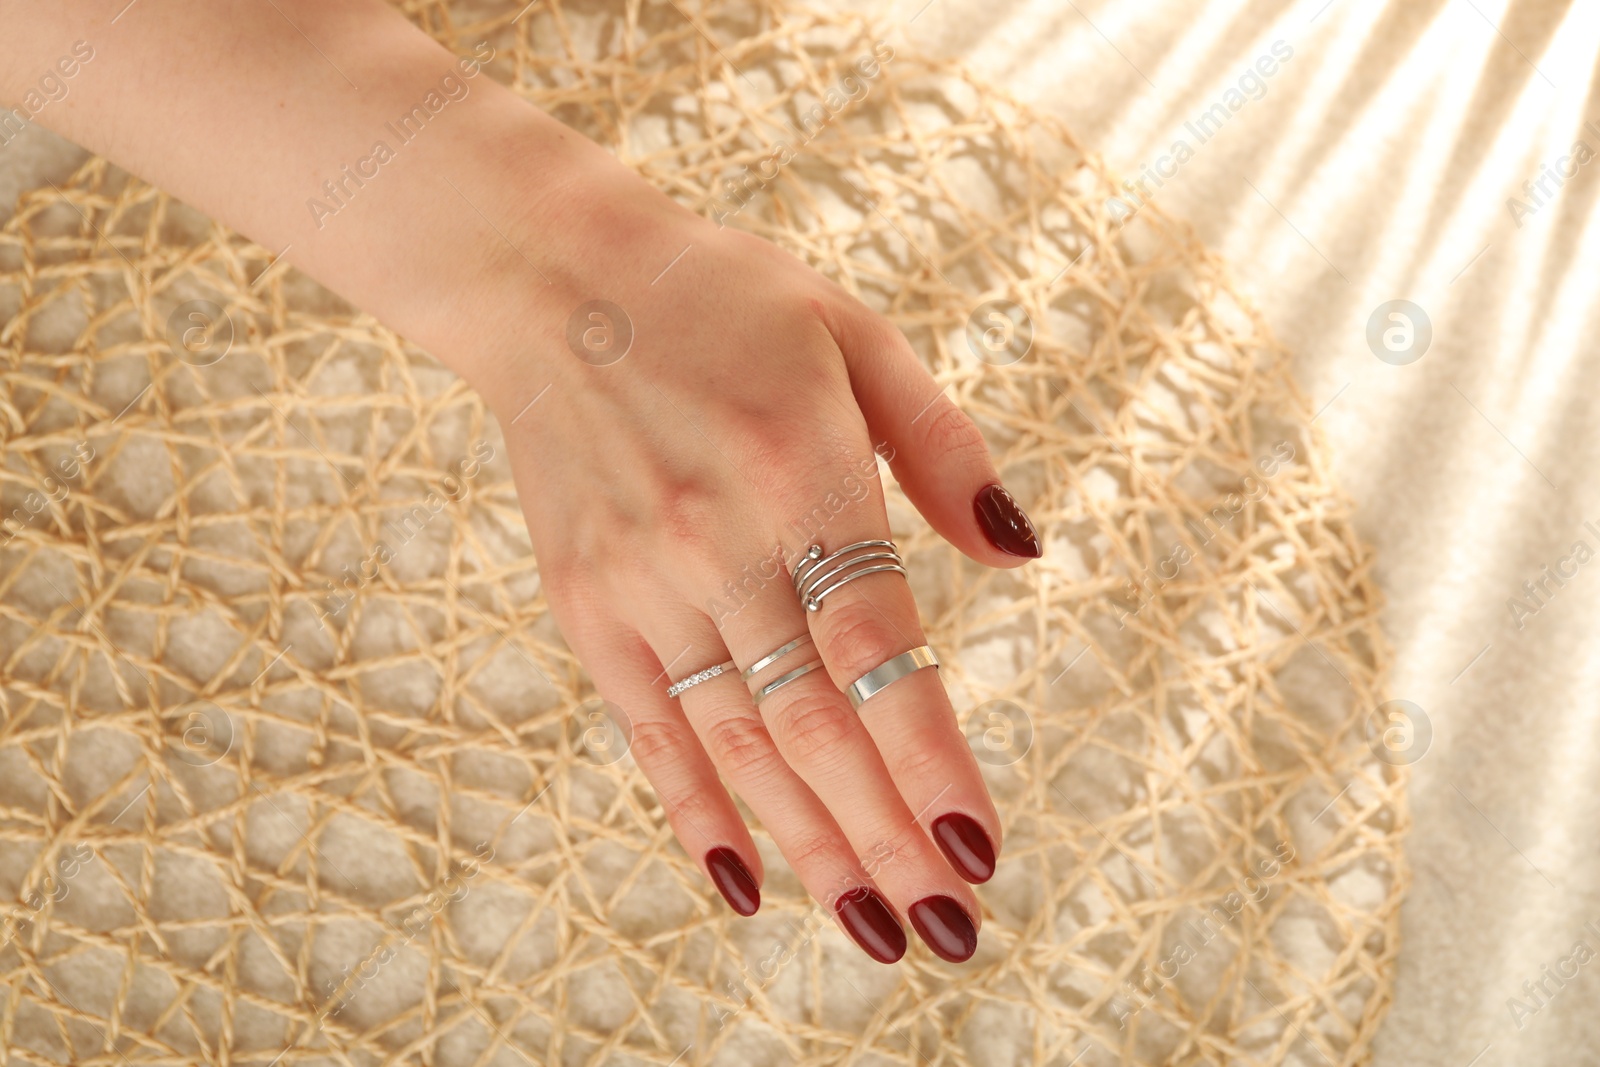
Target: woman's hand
<point>668,491</point>
<point>677,452</point>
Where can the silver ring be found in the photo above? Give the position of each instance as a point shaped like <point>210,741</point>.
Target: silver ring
<point>699,676</point>
<point>772,657</point>
<point>888,672</point>
<point>812,573</point>
<point>767,690</point>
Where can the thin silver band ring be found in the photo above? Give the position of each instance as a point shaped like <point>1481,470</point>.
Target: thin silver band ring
<point>772,657</point>
<point>767,690</point>
<point>888,672</point>
<point>697,677</point>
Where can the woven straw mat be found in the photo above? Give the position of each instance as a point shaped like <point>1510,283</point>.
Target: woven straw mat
<point>233,834</point>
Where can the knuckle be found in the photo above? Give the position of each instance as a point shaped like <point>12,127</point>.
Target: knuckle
<point>765,437</point>
<point>744,585</point>
<point>689,810</point>
<point>566,579</point>
<point>951,432</point>
<point>655,742</point>
<point>817,498</point>
<point>741,746</point>
<point>812,849</point>
<point>918,762</point>
<point>689,511</point>
<point>907,843</point>
<point>797,481</point>
<point>858,638</point>
<point>814,723</point>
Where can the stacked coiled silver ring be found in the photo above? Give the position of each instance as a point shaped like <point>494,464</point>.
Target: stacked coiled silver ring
<point>816,575</point>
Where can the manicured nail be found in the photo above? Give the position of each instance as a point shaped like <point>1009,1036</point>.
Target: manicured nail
<point>944,925</point>
<point>966,846</point>
<point>733,881</point>
<point>1004,523</point>
<point>869,921</point>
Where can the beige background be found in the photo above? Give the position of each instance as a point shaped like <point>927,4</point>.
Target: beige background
<point>1377,166</point>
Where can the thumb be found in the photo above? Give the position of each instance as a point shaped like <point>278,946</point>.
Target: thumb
<point>938,454</point>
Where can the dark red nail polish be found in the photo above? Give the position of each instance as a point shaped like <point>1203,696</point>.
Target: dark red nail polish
<point>966,846</point>
<point>1004,523</point>
<point>733,881</point>
<point>869,921</point>
<point>944,925</point>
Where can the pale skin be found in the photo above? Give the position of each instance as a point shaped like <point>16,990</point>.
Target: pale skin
<point>753,389</point>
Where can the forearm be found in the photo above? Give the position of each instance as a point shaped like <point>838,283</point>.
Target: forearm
<point>393,172</point>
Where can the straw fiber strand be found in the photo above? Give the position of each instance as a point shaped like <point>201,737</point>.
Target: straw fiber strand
<point>264,800</point>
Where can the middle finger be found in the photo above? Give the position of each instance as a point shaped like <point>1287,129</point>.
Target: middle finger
<point>822,738</point>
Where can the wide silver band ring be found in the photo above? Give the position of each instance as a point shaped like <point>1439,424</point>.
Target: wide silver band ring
<point>697,677</point>
<point>888,672</point>
<point>772,657</point>
<point>767,690</point>
<point>817,575</point>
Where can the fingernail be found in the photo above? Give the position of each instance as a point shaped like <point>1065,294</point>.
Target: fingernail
<point>966,846</point>
<point>1004,523</point>
<point>944,925</point>
<point>869,921</point>
<point>733,881</point>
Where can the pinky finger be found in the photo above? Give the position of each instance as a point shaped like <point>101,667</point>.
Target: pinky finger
<point>702,814</point>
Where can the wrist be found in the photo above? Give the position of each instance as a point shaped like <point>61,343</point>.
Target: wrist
<point>431,197</point>
<point>592,231</point>
<point>472,234</point>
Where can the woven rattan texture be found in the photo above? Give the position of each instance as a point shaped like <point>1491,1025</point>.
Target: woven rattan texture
<point>233,830</point>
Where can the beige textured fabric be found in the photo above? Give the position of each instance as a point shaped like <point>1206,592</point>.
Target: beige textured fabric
<point>1379,164</point>
<point>408,831</point>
